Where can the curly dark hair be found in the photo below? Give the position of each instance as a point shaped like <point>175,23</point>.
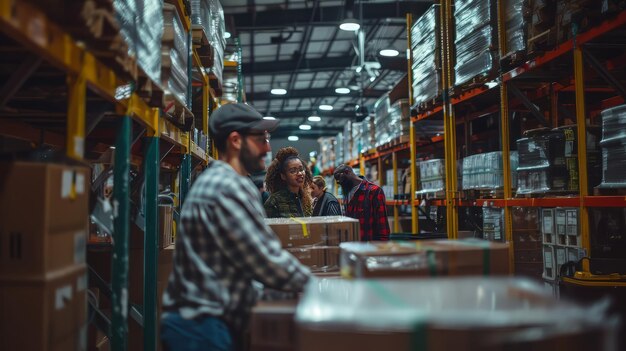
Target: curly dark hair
<point>274,182</point>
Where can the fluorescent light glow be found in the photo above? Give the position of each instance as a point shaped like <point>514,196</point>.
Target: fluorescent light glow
<point>372,79</point>
<point>342,91</point>
<point>226,35</point>
<point>293,138</point>
<point>350,25</point>
<point>305,127</point>
<point>326,107</point>
<point>278,91</point>
<point>269,118</point>
<point>314,118</point>
<point>389,52</point>
<point>491,84</point>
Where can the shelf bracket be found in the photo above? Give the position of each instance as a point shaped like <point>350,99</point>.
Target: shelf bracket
<point>527,103</point>
<point>603,72</point>
<point>18,78</point>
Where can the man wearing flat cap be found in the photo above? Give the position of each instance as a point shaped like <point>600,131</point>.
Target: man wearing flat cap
<point>223,243</point>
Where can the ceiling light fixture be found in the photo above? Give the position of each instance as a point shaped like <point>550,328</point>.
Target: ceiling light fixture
<point>226,35</point>
<point>314,118</point>
<point>278,91</point>
<point>349,25</point>
<point>293,138</point>
<point>305,127</point>
<point>326,107</point>
<point>342,91</point>
<point>389,52</point>
<point>269,118</point>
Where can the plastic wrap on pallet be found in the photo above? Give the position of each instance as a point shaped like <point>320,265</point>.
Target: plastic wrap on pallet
<point>394,124</point>
<point>356,140</point>
<point>485,171</point>
<point>210,15</point>
<point>347,142</point>
<point>381,107</point>
<point>613,125</point>
<point>474,37</point>
<point>432,175</point>
<point>367,140</point>
<point>463,314</point>
<point>424,36</point>
<point>177,57</point>
<point>141,26</point>
<point>613,147</point>
<point>339,149</point>
<point>514,15</point>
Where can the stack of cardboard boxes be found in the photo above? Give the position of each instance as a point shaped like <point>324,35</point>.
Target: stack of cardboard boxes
<point>561,240</point>
<point>43,236</point>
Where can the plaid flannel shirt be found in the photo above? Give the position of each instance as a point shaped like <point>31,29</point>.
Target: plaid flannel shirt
<point>222,246</point>
<point>368,206</point>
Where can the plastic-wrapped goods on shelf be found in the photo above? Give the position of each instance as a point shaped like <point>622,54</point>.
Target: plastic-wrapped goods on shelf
<point>381,107</point>
<point>541,163</point>
<point>493,225</point>
<point>514,17</point>
<point>347,142</point>
<point>475,39</point>
<point>174,54</point>
<point>366,137</point>
<point>356,140</point>
<point>394,124</point>
<point>326,158</point>
<point>141,23</point>
<point>494,314</point>
<point>485,171</point>
<point>426,63</point>
<point>429,258</point>
<point>614,147</point>
<point>210,15</point>
<point>338,150</point>
<point>432,175</point>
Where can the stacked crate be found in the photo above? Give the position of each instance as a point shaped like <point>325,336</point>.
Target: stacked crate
<point>44,211</point>
<point>426,65</point>
<point>476,40</point>
<point>561,239</point>
<point>174,55</point>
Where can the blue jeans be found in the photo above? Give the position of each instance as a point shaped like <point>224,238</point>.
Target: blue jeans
<point>201,334</point>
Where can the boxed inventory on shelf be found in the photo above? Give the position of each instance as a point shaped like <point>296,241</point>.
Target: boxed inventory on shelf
<point>476,39</point>
<point>166,230</point>
<point>427,258</point>
<point>391,121</point>
<point>446,314</point>
<point>613,149</point>
<point>432,175</point>
<point>426,61</point>
<point>210,16</point>
<point>45,314</point>
<point>514,24</point>
<point>347,142</point>
<point>317,258</point>
<point>485,171</point>
<point>493,224</point>
<point>43,217</point>
<point>355,136</point>
<point>174,54</point>
<point>323,230</point>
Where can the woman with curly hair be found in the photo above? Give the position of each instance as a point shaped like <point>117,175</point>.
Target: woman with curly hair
<point>288,180</point>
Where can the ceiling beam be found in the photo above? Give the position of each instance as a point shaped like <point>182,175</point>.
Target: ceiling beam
<point>307,113</point>
<point>288,66</point>
<point>313,93</point>
<point>314,133</point>
<point>276,17</point>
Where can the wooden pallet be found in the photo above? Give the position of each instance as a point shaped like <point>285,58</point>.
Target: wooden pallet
<point>472,194</point>
<point>430,104</point>
<point>205,51</point>
<point>476,81</point>
<point>549,193</point>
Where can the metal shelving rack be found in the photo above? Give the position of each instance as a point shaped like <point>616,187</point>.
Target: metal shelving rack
<point>32,30</point>
<point>579,56</point>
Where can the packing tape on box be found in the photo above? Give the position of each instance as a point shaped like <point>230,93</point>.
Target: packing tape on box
<point>305,231</point>
<point>430,258</point>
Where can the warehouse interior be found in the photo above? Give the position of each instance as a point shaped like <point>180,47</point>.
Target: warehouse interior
<point>491,131</point>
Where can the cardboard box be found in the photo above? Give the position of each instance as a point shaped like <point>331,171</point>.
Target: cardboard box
<point>136,268</point>
<point>308,231</point>
<point>428,258</point>
<point>549,262</point>
<point>45,314</point>
<point>166,230</point>
<point>572,229</point>
<point>273,326</point>
<point>44,218</point>
<point>317,258</point>
<point>547,226</point>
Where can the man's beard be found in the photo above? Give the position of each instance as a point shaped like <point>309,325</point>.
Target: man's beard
<point>249,161</point>
<point>346,187</point>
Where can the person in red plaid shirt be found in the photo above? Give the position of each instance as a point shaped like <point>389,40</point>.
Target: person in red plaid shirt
<point>364,201</point>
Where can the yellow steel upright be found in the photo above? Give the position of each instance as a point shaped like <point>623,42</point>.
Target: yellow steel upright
<point>412,137</point>
<point>449,125</point>
<point>75,143</point>
<point>505,136</point>
<point>396,214</point>
<point>582,145</point>
<point>205,112</point>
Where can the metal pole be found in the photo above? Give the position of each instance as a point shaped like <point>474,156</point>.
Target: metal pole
<point>121,221</point>
<point>240,71</point>
<point>505,136</point>
<point>185,175</point>
<point>412,136</point>
<point>75,143</point>
<point>396,214</point>
<point>150,263</point>
<point>581,122</point>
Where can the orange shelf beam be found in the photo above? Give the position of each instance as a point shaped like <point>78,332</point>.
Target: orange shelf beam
<point>427,114</point>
